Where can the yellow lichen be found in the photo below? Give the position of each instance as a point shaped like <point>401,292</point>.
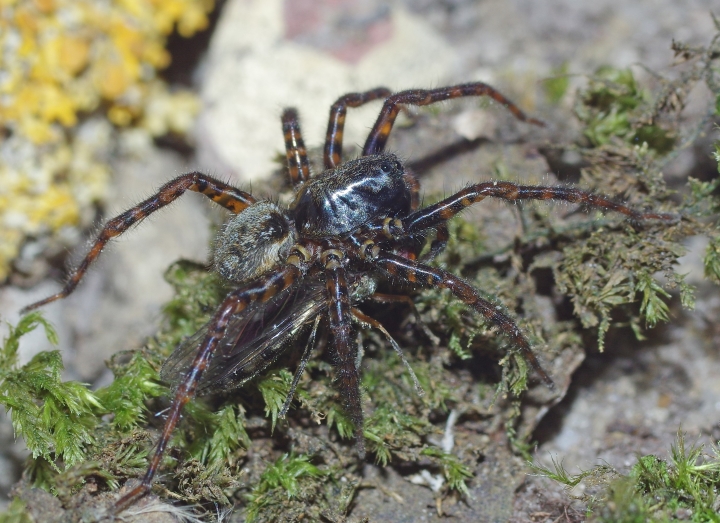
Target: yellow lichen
<point>65,62</point>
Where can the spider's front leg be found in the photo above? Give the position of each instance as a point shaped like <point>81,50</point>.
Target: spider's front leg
<point>344,344</point>
<point>432,277</point>
<point>261,289</point>
<point>380,132</point>
<point>333,139</point>
<point>295,151</point>
<point>219,192</point>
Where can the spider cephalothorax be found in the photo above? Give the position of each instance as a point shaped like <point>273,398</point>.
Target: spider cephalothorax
<point>347,228</point>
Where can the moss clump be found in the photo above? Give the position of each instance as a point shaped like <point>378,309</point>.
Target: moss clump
<point>654,490</point>
<point>289,478</point>
<point>685,486</point>
<point>56,418</point>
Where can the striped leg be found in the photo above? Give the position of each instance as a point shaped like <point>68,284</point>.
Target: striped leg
<point>219,192</point>
<point>344,343</point>
<point>435,215</point>
<point>432,277</point>
<point>378,137</point>
<point>261,289</point>
<point>333,139</point>
<point>297,160</point>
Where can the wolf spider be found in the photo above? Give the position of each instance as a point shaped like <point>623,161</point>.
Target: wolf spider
<point>348,227</point>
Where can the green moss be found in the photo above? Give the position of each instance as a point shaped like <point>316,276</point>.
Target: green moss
<point>455,472</point>
<point>275,389</point>
<point>56,419</point>
<point>654,490</point>
<point>557,85</point>
<point>288,478</point>
<point>16,513</point>
<point>605,274</point>
<point>613,106</point>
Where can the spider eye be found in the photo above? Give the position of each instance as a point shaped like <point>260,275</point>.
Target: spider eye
<point>386,167</point>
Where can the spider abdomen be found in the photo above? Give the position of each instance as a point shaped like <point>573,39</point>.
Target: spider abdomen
<point>253,241</point>
<point>339,201</point>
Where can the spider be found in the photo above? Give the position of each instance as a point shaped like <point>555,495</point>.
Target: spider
<point>348,227</point>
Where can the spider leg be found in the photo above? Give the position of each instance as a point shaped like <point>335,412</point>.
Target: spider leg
<point>378,136</point>
<point>261,289</point>
<point>434,215</point>
<point>221,193</point>
<point>442,235</point>
<point>333,141</point>
<point>366,321</point>
<point>344,343</point>
<point>426,276</point>
<point>295,151</point>
<point>413,184</point>
<point>301,369</point>
<point>437,214</point>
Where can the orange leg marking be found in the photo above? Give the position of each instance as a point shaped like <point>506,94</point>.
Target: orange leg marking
<point>336,125</point>
<point>238,300</point>
<point>378,137</point>
<point>297,160</point>
<point>219,192</point>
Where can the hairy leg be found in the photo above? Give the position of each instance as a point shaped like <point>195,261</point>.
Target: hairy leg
<point>433,277</point>
<point>219,192</point>
<point>434,215</point>
<point>336,126</point>
<point>262,289</point>
<point>344,344</point>
<point>380,132</point>
<point>297,160</point>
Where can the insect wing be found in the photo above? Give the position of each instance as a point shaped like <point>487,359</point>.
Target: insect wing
<point>177,364</point>
<point>281,325</point>
<point>253,340</point>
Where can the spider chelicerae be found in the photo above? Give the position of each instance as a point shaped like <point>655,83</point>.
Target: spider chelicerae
<point>349,227</point>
